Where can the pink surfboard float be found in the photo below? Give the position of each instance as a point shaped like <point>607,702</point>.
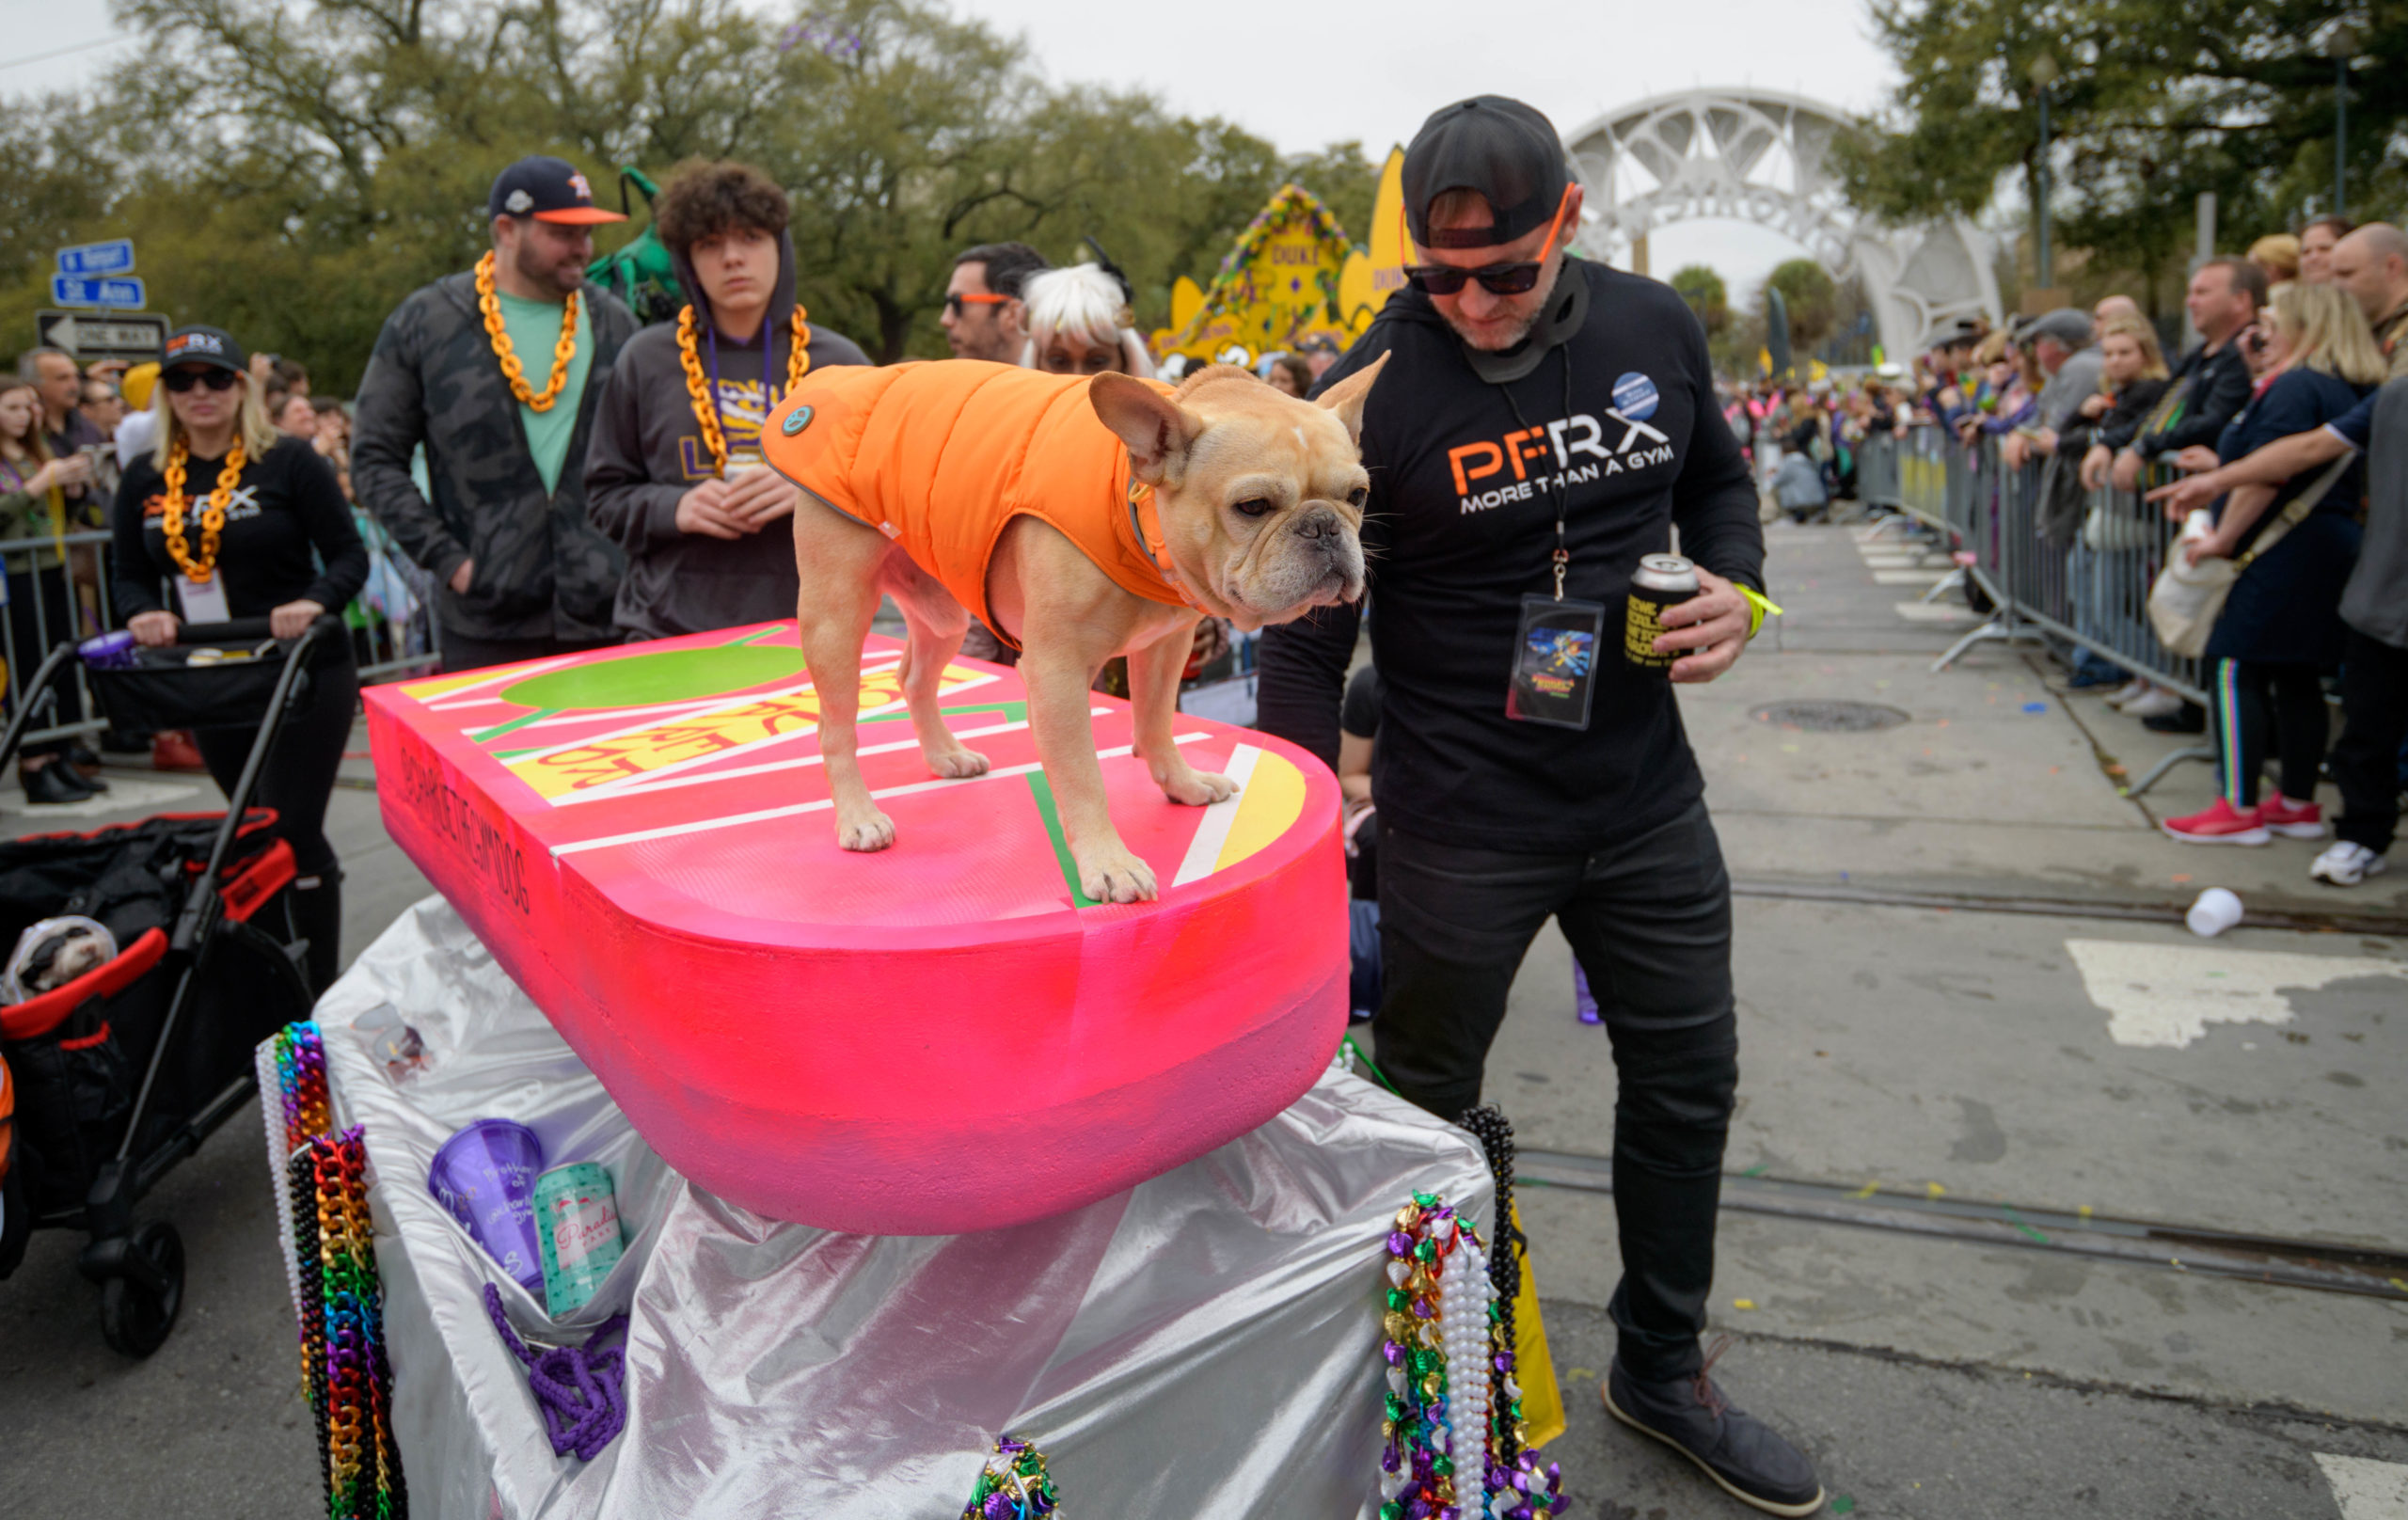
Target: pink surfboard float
<point>938,1038</point>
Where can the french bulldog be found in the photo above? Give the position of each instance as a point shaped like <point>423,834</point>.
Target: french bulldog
<point>1259,501</point>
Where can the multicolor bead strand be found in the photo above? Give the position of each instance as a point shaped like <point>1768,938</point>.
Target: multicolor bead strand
<point>1014,1486</point>
<point>1443,1454</point>
<point>333,1267</point>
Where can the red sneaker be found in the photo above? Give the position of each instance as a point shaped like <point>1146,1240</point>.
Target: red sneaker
<point>2293,820</point>
<point>2221,824</point>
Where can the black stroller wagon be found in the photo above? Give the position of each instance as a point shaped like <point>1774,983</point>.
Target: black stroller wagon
<point>124,1072</point>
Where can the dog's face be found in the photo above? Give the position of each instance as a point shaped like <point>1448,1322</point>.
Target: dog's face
<point>1261,495</point>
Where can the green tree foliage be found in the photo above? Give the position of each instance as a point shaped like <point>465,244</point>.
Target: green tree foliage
<point>290,171</point>
<point>1703,289</point>
<point>1813,300</point>
<point>2154,102</point>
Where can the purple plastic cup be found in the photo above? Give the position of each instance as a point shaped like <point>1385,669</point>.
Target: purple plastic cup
<point>486,1176</point>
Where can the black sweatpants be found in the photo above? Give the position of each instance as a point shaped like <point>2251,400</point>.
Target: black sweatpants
<point>1650,920</point>
<point>2374,722</point>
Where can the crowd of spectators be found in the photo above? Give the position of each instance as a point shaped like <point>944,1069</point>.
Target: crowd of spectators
<point>2252,440</point>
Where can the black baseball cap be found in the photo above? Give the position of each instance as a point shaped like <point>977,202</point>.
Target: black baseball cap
<point>212,346</point>
<point>1504,150</point>
<point>549,190</point>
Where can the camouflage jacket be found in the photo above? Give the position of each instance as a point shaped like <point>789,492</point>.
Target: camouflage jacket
<point>543,570</point>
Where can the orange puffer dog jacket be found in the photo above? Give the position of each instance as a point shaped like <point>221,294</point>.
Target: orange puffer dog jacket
<point>940,456</point>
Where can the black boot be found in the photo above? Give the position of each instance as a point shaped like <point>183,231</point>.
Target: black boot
<point>54,782</point>
<point>315,906</point>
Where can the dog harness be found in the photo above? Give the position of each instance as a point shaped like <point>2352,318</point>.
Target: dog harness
<point>940,456</point>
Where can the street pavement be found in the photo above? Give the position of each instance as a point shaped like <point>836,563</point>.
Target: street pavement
<point>1900,1037</point>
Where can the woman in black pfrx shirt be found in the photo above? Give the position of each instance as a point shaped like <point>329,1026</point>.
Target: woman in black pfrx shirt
<point>279,500</point>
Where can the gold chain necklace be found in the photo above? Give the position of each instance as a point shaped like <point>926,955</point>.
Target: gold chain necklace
<point>563,351</point>
<point>705,410</point>
<point>212,512</point>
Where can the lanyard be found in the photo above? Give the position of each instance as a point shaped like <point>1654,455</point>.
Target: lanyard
<point>1562,557</point>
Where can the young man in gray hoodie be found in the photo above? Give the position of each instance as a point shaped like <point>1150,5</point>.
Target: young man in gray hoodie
<point>674,475</point>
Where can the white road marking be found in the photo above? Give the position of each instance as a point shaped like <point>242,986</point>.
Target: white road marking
<point>1936,612</point>
<point>2168,994</point>
<point>763,815</point>
<point>2365,1488</point>
<point>1909,578</point>
<point>1204,850</point>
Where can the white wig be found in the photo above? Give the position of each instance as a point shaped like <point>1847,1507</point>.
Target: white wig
<point>1085,302</point>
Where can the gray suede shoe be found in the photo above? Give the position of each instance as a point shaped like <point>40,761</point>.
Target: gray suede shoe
<point>1754,1462</point>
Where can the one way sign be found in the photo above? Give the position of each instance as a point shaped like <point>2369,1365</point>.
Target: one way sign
<point>132,335</point>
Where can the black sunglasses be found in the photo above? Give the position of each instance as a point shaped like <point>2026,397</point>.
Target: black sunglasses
<point>214,378</point>
<point>1497,279</point>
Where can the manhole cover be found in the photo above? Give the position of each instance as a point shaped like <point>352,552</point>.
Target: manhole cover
<point>1831,717</point>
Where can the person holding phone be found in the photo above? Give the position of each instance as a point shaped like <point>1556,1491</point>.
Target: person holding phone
<point>238,519</point>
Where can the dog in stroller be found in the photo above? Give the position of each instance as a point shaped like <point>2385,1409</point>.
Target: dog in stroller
<point>122,1069</point>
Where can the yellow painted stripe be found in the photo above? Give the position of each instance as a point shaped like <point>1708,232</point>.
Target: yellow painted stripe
<point>1274,801</point>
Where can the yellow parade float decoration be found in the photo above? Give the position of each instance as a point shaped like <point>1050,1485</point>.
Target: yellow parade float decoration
<point>1293,275</point>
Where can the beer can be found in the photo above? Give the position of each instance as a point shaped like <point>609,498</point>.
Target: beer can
<point>1662,581</point>
<point>577,1220</point>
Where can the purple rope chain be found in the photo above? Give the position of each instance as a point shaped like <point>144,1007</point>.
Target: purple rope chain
<point>581,1390</point>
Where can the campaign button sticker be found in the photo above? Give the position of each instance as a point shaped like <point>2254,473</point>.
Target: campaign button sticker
<point>1635,397</point>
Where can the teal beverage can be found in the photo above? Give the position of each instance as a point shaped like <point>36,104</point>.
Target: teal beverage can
<point>577,1223</point>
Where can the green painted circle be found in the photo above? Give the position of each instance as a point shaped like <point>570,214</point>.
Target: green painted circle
<point>671,676</point>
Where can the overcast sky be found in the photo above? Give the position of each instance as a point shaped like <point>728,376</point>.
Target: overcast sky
<point>1309,71</point>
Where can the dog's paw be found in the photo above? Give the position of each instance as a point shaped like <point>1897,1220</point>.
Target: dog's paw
<point>958,764</point>
<point>1115,875</point>
<point>874,831</point>
<point>1197,788</point>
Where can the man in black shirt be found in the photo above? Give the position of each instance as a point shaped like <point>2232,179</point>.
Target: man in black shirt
<point>2212,383</point>
<point>1547,422</point>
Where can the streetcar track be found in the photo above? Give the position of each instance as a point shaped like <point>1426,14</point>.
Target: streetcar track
<point>2319,921</point>
<point>2324,1266</point>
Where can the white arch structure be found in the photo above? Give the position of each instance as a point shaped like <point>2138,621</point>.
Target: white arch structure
<point>1762,156</point>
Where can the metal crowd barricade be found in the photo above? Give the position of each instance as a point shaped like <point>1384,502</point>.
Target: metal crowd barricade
<point>72,601</point>
<point>66,600</point>
<point>2067,566</point>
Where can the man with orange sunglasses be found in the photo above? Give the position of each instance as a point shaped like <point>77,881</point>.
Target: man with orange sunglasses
<point>1547,423</point>
<point>984,318</point>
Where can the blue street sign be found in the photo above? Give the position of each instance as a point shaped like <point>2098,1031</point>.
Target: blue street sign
<point>67,291</point>
<point>114,256</point>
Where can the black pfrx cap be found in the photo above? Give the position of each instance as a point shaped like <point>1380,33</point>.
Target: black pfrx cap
<point>1504,150</point>
<point>212,346</point>
<point>547,189</point>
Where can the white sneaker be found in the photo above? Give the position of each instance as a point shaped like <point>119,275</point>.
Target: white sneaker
<point>2154,702</point>
<point>2129,692</point>
<point>2346,865</point>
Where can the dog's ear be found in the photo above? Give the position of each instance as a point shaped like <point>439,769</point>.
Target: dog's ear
<point>1346,397</point>
<point>1158,431</point>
